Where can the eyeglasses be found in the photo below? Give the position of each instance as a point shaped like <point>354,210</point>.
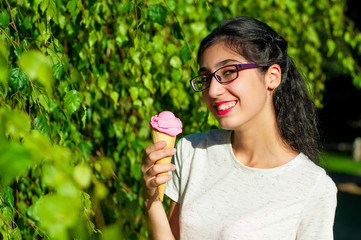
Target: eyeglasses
<point>223,75</point>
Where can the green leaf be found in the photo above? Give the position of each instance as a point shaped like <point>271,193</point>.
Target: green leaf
<point>148,83</point>
<point>312,35</point>
<point>37,66</point>
<point>17,124</point>
<point>16,234</point>
<point>101,191</point>
<point>172,49</point>
<point>52,12</point>
<point>165,86</point>
<point>112,232</point>
<point>102,83</point>
<point>27,23</point>
<point>107,167</point>
<point>8,214</point>
<point>74,7</point>
<point>86,147</point>
<point>58,70</point>
<point>82,175</point>
<point>356,80</point>
<point>62,21</point>
<point>133,93</point>
<point>158,58</point>
<point>17,79</point>
<point>172,4</point>
<point>4,49</point>
<point>83,118</point>
<point>41,123</point>
<point>9,168</point>
<point>72,101</point>
<point>4,55</point>
<point>47,103</point>
<point>92,38</point>
<point>43,6</point>
<point>175,62</point>
<point>39,145</point>
<point>176,75</point>
<point>158,13</point>
<point>86,202</point>
<point>3,70</point>
<point>148,102</point>
<point>115,96</point>
<point>75,75</point>
<point>58,114</point>
<point>177,31</point>
<point>6,194</point>
<point>44,32</point>
<point>4,18</point>
<point>185,53</point>
<point>55,213</point>
<point>18,51</point>
<point>198,27</point>
<point>52,176</point>
<point>331,45</point>
<point>126,7</point>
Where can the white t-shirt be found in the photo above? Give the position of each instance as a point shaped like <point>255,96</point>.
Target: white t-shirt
<point>220,198</point>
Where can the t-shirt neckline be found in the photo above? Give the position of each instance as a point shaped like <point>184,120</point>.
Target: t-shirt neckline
<point>287,165</point>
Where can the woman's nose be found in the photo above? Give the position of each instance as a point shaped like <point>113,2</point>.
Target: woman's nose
<point>215,88</point>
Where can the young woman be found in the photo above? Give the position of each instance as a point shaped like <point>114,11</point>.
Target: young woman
<point>256,178</point>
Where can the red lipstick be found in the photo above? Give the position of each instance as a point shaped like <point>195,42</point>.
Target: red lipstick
<point>225,111</point>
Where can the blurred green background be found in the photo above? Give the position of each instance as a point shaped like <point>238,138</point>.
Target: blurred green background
<point>79,81</point>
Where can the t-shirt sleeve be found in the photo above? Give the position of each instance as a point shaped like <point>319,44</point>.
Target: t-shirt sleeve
<point>172,189</point>
<point>318,216</point>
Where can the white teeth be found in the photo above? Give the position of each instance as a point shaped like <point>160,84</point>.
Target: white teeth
<point>226,106</point>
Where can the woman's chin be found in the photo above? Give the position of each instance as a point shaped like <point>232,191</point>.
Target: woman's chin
<point>225,125</point>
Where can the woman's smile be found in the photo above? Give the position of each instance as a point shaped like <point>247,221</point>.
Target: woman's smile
<point>225,107</point>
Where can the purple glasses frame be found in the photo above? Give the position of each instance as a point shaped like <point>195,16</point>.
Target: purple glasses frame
<point>210,76</point>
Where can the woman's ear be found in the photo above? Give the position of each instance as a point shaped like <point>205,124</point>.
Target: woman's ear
<point>273,77</point>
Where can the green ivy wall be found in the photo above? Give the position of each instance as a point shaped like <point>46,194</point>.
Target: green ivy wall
<point>79,81</point>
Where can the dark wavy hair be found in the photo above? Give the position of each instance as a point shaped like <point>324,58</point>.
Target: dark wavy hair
<point>259,43</point>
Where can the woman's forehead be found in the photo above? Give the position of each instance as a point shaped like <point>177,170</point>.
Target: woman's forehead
<point>218,55</point>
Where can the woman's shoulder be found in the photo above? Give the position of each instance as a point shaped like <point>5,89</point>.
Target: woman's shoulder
<point>316,174</point>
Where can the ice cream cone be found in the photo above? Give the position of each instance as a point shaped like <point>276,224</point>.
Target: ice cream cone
<point>165,127</point>
<point>156,137</point>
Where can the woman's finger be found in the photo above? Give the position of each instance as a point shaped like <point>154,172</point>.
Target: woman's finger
<point>156,146</point>
<point>155,156</point>
<point>157,169</point>
<point>156,181</point>
<point>160,154</point>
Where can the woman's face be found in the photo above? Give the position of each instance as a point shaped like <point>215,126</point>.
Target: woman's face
<point>243,103</point>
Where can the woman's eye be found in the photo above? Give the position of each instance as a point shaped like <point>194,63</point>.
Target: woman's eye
<point>229,72</point>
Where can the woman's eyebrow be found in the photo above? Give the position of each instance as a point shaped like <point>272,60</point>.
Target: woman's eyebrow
<point>225,62</point>
<point>219,64</point>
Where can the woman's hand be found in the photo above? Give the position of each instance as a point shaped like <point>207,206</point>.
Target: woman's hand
<point>150,170</point>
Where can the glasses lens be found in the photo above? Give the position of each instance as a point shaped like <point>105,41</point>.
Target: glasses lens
<point>200,83</point>
<point>227,74</point>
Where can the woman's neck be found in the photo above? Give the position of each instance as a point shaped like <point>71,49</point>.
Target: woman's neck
<point>261,147</point>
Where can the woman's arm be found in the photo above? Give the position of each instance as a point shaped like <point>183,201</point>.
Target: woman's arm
<point>160,227</point>
<point>159,224</point>
<point>173,217</point>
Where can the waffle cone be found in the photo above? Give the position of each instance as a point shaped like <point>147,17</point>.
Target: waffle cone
<point>156,137</point>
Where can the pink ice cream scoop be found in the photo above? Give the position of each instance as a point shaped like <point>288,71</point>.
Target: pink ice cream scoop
<point>167,123</point>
